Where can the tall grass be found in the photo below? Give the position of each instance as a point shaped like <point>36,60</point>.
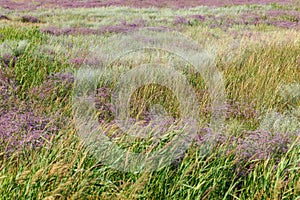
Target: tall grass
<point>255,71</point>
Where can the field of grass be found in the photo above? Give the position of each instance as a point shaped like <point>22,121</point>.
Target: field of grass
<point>191,99</point>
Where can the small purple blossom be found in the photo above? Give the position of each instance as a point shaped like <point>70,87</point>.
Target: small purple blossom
<point>286,24</point>
<point>263,144</point>
<point>21,129</point>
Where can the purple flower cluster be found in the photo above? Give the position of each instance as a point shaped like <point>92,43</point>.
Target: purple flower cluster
<point>279,18</point>
<point>291,14</point>
<point>252,145</point>
<point>263,144</point>
<point>286,24</point>
<point>21,130</point>
<point>206,135</point>
<point>120,28</point>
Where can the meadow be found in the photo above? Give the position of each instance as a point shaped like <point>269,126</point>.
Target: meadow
<point>245,101</point>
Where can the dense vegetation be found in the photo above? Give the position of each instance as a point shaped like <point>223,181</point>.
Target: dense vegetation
<point>254,153</point>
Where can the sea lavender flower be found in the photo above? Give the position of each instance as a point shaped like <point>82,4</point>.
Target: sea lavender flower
<point>208,135</point>
<point>264,144</point>
<point>286,24</point>
<point>23,129</point>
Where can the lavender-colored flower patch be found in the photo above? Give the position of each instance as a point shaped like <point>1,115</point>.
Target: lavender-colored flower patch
<point>286,24</point>
<point>264,144</point>
<point>279,18</point>
<point>258,145</point>
<point>291,14</point>
<point>120,28</point>
<point>21,130</point>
